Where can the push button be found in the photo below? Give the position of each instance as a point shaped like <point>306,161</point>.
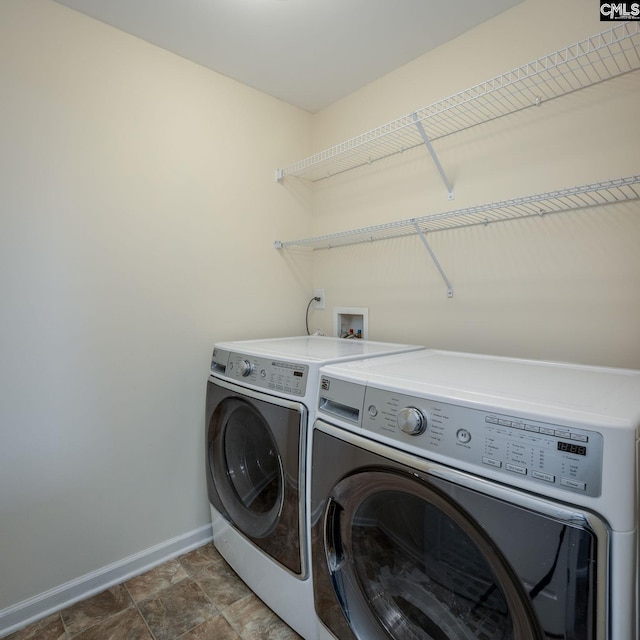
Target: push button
<point>573,484</point>
<point>516,469</point>
<point>491,462</point>
<point>539,475</point>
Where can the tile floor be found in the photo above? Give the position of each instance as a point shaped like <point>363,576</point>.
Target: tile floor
<point>194,597</point>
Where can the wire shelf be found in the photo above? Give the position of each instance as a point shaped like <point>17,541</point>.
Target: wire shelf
<point>573,198</point>
<point>601,57</point>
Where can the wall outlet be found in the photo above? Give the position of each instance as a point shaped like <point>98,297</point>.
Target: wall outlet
<point>319,293</point>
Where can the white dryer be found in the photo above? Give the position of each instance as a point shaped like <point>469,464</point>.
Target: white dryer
<point>458,497</point>
<point>261,396</point>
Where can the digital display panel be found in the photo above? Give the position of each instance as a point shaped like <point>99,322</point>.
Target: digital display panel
<point>298,374</point>
<point>570,447</point>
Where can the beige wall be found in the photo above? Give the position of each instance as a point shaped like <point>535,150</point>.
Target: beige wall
<point>137,213</point>
<point>137,209</point>
<point>563,287</point>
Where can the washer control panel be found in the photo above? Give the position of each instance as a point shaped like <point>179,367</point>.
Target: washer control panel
<point>265,373</point>
<point>562,456</point>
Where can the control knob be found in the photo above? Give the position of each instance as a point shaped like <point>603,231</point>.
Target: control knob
<point>412,421</point>
<point>246,368</point>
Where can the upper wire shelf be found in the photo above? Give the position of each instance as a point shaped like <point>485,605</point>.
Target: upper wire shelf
<point>605,55</point>
<point>590,195</point>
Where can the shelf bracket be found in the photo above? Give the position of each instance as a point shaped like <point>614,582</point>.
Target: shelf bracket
<point>432,153</point>
<point>435,260</point>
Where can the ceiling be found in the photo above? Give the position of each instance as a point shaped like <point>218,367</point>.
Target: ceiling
<point>309,53</point>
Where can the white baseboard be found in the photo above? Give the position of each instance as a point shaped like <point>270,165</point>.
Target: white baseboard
<point>44,604</point>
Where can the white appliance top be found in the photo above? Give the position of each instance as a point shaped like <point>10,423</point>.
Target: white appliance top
<point>597,394</point>
<point>288,367</point>
<point>314,349</point>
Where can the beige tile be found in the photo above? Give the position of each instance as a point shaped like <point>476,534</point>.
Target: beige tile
<point>253,620</point>
<point>200,558</point>
<point>174,604</point>
<point>126,624</point>
<point>215,629</point>
<point>176,610</point>
<point>159,578</point>
<point>221,584</point>
<point>49,628</point>
<point>90,612</point>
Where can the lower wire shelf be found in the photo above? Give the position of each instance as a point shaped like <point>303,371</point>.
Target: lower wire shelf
<point>569,199</point>
<point>572,198</point>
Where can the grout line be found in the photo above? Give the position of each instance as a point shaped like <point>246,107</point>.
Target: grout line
<point>67,635</point>
<point>135,604</point>
<point>230,623</point>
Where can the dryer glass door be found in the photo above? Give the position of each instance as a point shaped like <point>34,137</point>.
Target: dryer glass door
<point>406,549</point>
<point>425,570</point>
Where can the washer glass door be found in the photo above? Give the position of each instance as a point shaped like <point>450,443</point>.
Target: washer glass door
<point>254,475</point>
<point>251,478</point>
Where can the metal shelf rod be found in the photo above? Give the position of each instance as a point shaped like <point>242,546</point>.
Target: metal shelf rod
<point>435,260</point>
<point>433,155</point>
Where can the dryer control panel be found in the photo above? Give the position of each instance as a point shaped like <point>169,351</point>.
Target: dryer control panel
<point>562,456</point>
<point>265,373</point>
